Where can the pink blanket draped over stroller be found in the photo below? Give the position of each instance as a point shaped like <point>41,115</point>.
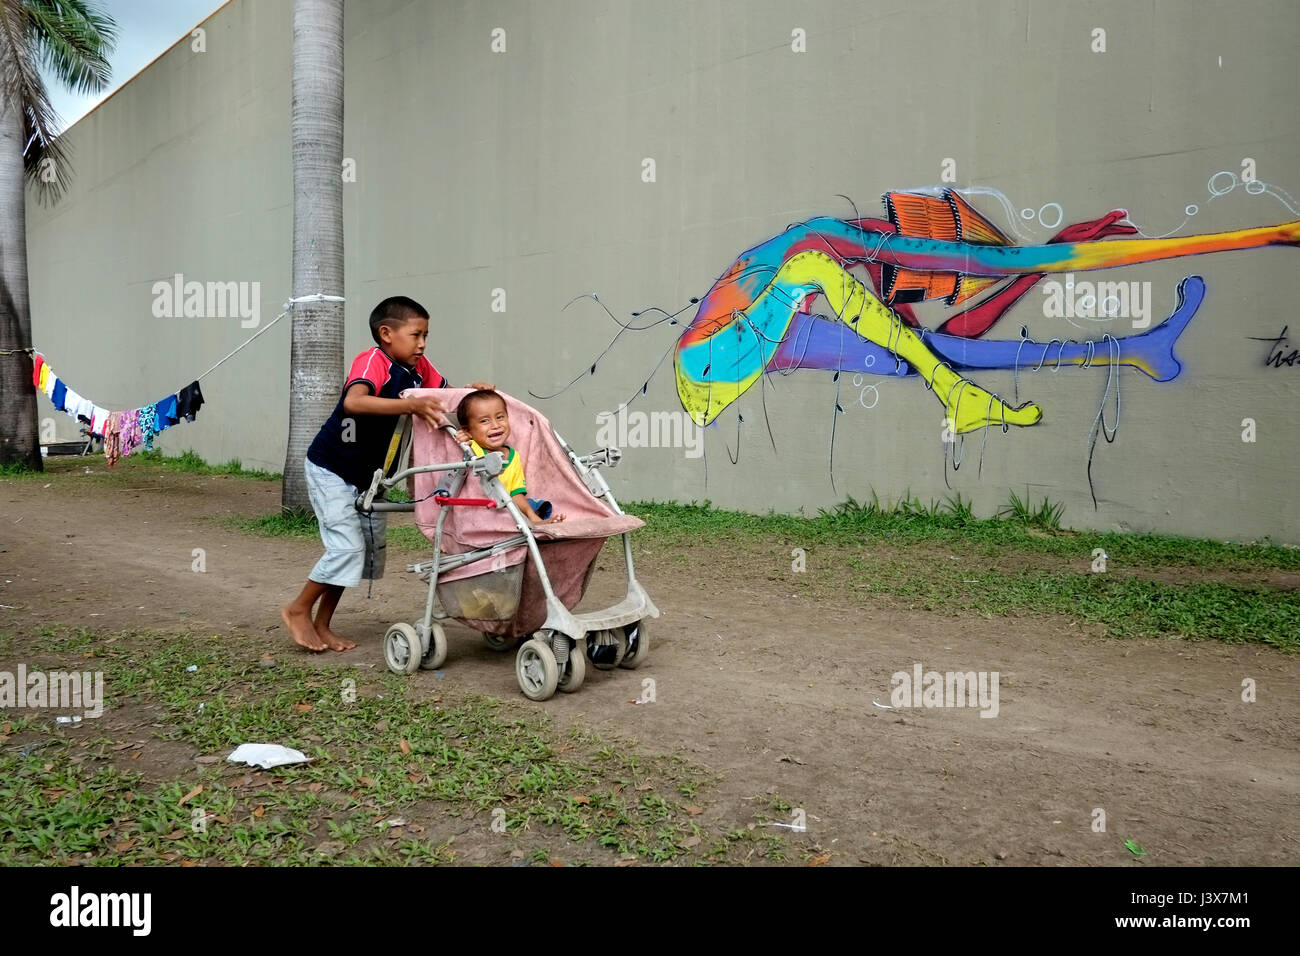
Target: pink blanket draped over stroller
<point>569,548</point>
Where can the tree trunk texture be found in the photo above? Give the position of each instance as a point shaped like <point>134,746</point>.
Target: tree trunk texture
<point>19,441</point>
<point>316,357</point>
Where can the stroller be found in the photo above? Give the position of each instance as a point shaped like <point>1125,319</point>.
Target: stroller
<point>494,571</point>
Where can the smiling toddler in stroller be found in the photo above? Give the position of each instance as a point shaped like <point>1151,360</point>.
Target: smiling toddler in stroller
<point>495,570</point>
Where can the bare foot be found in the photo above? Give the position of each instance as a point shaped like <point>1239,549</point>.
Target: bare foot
<point>332,640</point>
<point>300,627</point>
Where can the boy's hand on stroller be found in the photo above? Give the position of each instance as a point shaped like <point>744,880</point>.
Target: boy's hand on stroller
<point>482,386</point>
<point>429,408</point>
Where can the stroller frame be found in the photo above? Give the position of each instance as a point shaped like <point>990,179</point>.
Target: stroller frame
<point>555,657</point>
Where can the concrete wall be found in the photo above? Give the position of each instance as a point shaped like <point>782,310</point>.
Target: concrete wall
<point>524,171</point>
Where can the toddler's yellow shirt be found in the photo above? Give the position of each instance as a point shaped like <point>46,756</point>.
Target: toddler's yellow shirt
<point>513,475</point>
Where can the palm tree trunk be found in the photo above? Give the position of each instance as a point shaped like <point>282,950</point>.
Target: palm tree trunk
<point>316,358</point>
<point>18,437</point>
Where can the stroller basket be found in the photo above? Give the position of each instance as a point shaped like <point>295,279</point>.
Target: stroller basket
<point>492,597</point>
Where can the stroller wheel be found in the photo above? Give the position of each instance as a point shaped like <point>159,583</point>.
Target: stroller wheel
<point>606,649</point>
<point>536,670</point>
<point>638,645</point>
<point>499,642</point>
<point>575,669</point>
<point>402,649</point>
<point>437,653</point>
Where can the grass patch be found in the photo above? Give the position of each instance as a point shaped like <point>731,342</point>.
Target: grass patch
<point>406,537</point>
<point>397,776</point>
<point>291,524</point>
<point>939,557</point>
<point>1029,529</point>
<point>17,469</point>
<point>1127,606</point>
<point>190,462</point>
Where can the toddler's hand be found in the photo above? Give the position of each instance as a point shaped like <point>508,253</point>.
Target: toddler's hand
<point>553,519</point>
<point>462,436</point>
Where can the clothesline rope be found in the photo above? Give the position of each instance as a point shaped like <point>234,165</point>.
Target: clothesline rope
<point>288,307</point>
<point>245,343</point>
<point>124,431</point>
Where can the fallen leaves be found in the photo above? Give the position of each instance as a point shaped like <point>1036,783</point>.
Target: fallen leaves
<point>405,747</point>
<point>190,796</point>
<point>820,860</point>
<point>692,809</point>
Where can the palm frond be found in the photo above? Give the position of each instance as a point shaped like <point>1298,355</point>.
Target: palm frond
<point>73,39</point>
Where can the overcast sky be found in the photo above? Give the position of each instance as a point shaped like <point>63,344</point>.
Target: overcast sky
<point>145,29</point>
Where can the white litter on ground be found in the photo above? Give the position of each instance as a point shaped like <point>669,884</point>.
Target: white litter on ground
<point>266,756</point>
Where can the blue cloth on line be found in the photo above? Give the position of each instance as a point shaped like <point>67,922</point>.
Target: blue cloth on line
<point>59,395</point>
<point>165,415</point>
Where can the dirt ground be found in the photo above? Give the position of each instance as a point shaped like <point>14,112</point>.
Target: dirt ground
<point>772,690</point>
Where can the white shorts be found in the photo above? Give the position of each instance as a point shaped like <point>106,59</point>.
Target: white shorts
<point>355,543</point>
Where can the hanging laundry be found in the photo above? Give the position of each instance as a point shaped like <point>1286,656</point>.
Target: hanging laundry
<point>98,420</point>
<point>70,401</point>
<point>130,432</point>
<point>122,432</point>
<point>113,437</point>
<point>166,415</point>
<point>84,411</point>
<point>188,401</point>
<point>148,426</point>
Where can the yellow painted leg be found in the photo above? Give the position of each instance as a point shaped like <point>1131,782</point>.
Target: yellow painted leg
<point>969,406</point>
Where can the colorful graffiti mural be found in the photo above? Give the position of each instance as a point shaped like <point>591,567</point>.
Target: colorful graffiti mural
<point>758,317</point>
<point>838,295</point>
